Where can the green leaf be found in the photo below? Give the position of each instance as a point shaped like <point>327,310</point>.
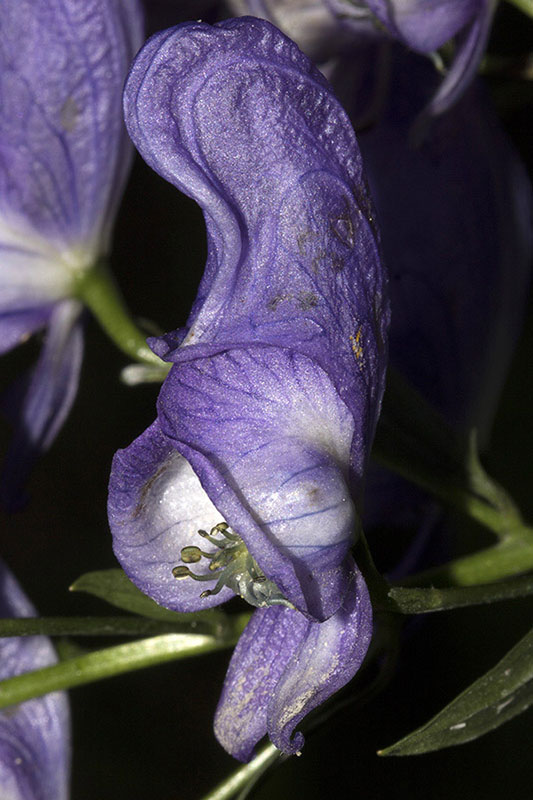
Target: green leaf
<point>526,6</point>
<point>113,586</point>
<point>498,696</point>
<point>424,601</point>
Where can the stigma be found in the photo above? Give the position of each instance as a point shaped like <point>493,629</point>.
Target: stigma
<point>231,565</point>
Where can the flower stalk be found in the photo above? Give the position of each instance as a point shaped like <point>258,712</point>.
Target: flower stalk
<point>97,289</point>
<point>108,663</point>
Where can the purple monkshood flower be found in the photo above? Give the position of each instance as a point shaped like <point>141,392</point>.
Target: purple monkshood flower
<point>34,735</point>
<point>324,27</point>
<point>250,479</point>
<point>64,156</point>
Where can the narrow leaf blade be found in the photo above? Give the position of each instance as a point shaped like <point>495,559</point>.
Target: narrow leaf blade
<point>498,696</point>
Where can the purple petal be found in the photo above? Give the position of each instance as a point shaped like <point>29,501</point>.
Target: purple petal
<point>17,328</point>
<point>310,23</point>
<point>156,506</point>
<point>424,25</point>
<point>277,430</point>
<point>285,666</point>
<point>35,735</point>
<point>48,398</point>
<point>465,64</point>
<point>235,116</point>
<point>269,642</point>
<point>63,148</point>
<point>270,440</point>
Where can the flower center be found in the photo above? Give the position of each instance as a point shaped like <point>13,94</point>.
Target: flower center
<point>233,566</point>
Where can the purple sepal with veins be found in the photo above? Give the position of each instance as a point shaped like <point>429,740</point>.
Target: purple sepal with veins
<point>34,735</point>
<point>249,480</point>
<point>64,156</point>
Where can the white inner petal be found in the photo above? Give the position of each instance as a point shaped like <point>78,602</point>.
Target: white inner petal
<point>34,271</point>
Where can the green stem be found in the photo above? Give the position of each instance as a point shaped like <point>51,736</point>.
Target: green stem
<point>94,626</point>
<point>245,774</point>
<point>526,6</point>
<point>440,487</point>
<point>97,289</point>
<point>106,663</point>
<point>424,601</point>
<point>503,560</point>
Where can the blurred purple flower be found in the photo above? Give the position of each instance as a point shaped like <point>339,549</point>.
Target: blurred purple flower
<point>457,242</point>
<point>64,157</point>
<point>34,735</point>
<point>324,28</point>
<point>267,416</point>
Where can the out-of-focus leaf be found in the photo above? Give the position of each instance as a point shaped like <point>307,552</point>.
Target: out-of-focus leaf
<point>498,696</point>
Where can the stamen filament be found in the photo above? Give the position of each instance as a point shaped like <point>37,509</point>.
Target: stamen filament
<point>230,565</point>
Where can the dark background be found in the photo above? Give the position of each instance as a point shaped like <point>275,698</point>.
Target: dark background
<point>148,734</point>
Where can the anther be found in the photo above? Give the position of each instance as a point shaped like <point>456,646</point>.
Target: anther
<point>222,526</point>
<point>220,543</point>
<point>181,572</point>
<point>190,555</point>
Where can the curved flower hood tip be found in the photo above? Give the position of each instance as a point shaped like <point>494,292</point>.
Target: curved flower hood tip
<point>34,735</point>
<point>64,157</point>
<point>266,418</point>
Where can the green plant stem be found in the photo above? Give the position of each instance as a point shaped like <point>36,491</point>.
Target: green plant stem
<point>503,560</point>
<point>526,6</point>
<point>106,663</point>
<point>243,775</point>
<point>424,601</point>
<point>94,626</point>
<point>455,496</point>
<point>97,289</point>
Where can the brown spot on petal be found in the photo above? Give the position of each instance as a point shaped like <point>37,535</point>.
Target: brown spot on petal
<point>145,491</point>
<point>69,114</point>
<point>307,300</point>
<point>274,302</point>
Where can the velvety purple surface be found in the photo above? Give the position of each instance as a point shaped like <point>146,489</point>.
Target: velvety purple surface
<point>35,735</point>
<point>285,666</point>
<point>285,346</point>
